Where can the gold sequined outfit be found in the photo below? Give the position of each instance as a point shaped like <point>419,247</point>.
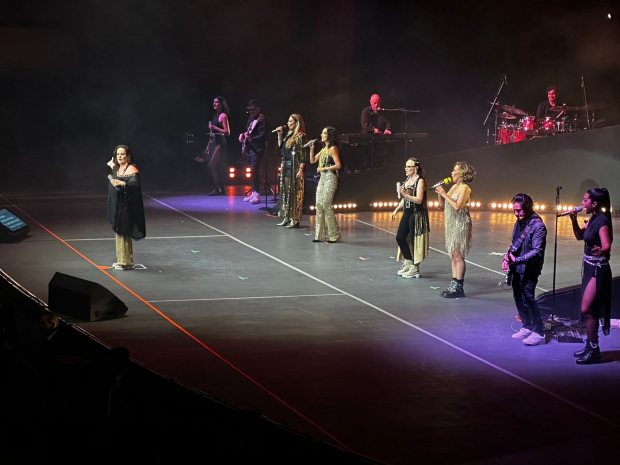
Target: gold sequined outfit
<point>292,187</point>
<point>458,228</point>
<point>324,197</point>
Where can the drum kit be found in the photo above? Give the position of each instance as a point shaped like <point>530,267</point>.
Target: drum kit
<point>562,119</point>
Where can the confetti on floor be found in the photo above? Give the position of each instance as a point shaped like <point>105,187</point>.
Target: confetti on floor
<point>433,287</point>
<point>240,277</point>
<point>362,258</point>
<point>195,251</point>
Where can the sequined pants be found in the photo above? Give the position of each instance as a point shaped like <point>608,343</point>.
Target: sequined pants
<point>324,213</point>
<point>124,250</point>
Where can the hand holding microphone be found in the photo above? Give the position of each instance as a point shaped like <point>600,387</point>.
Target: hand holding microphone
<point>398,189</point>
<point>570,212</point>
<point>308,144</point>
<point>279,128</point>
<point>443,182</point>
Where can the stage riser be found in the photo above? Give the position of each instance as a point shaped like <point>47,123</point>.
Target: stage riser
<point>576,161</point>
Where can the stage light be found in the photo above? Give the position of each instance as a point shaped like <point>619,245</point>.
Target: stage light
<point>311,207</point>
<point>232,170</point>
<point>349,205</point>
<point>248,175</point>
<point>375,204</point>
<point>380,204</point>
<point>510,206</point>
<point>354,205</point>
<point>535,207</point>
<point>542,207</point>
<point>564,207</point>
<point>232,175</point>
<point>248,170</point>
<point>608,15</point>
<point>505,205</point>
<point>493,205</point>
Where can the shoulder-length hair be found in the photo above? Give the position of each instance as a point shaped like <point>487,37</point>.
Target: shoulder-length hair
<point>467,172</point>
<point>332,137</point>
<point>298,131</point>
<point>225,108</point>
<point>130,160</point>
<point>421,171</point>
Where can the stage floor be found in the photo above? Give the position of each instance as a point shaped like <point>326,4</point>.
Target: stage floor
<point>326,339</point>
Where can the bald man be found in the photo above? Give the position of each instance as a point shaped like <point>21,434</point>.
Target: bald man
<point>373,121</point>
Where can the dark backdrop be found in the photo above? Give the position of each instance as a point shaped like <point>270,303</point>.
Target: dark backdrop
<point>78,77</point>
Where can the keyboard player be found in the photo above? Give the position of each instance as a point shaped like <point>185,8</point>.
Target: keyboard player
<point>373,120</point>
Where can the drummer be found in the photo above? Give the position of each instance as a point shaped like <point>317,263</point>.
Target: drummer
<point>552,101</point>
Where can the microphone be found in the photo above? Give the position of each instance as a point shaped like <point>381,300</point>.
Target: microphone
<point>582,84</point>
<point>441,183</point>
<point>505,79</point>
<point>279,127</point>
<point>576,210</point>
<point>308,144</point>
<point>398,189</point>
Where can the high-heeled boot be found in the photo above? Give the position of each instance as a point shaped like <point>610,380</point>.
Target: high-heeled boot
<point>592,355</point>
<point>217,191</point>
<point>284,222</point>
<point>583,351</point>
<point>457,291</point>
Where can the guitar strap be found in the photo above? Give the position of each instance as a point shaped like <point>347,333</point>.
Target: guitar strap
<point>530,223</point>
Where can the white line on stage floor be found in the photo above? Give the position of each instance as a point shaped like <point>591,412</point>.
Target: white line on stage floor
<point>247,298</point>
<point>405,322</point>
<point>443,252</point>
<point>148,237</point>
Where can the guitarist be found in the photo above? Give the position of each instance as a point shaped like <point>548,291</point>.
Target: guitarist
<point>253,144</point>
<point>525,261</point>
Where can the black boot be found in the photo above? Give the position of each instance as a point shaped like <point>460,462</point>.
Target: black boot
<point>451,288</point>
<point>583,351</point>
<point>457,290</point>
<point>217,191</point>
<point>592,355</point>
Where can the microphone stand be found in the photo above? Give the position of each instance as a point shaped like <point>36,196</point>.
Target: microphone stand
<point>585,101</point>
<point>493,104</point>
<point>555,249</point>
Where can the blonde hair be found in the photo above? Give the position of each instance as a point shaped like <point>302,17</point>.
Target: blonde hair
<point>299,131</point>
<point>467,172</point>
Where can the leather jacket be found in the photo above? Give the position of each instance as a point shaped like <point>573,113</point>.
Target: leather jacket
<point>531,253</point>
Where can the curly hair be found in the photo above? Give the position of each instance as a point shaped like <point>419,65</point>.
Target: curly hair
<point>299,131</point>
<point>225,108</point>
<point>332,137</point>
<point>467,172</point>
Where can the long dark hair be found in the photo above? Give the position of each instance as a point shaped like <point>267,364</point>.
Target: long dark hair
<point>526,202</point>
<point>225,108</point>
<point>130,160</point>
<point>332,137</point>
<point>421,171</point>
<point>600,195</point>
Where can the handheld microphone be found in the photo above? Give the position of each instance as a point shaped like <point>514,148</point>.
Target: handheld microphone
<point>505,79</point>
<point>308,144</point>
<point>441,183</point>
<point>279,127</point>
<point>576,210</point>
<point>398,189</point>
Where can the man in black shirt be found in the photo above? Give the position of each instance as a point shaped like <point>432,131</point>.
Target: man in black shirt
<point>524,261</point>
<point>254,143</point>
<point>374,121</point>
<point>552,102</point>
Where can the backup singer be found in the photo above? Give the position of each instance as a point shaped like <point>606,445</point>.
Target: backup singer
<point>329,164</point>
<point>596,272</point>
<point>219,131</point>
<point>125,207</point>
<point>525,261</point>
<point>413,230</point>
<point>458,224</point>
<point>254,141</point>
<point>292,171</point>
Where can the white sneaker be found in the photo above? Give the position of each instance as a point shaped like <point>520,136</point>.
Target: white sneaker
<point>534,339</point>
<point>247,198</point>
<point>412,272</point>
<point>522,333</point>
<point>406,265</point>
<point>255,198</point>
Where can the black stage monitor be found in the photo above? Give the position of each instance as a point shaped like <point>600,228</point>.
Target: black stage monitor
<point>11,227</point>
<point>84,300</point>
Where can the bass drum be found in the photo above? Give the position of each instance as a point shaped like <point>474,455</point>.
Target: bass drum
<point>505,135</point>
<point>551,126</point>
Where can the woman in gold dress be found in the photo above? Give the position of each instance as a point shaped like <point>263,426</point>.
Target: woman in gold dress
<point>455,204</point>
<point>329,164</point>
<point>292,171</point>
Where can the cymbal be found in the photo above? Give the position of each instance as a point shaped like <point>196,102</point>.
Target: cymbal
<point>593,106</point>
<point>560,108</point>
<point>509,109</point>
<point>504,115</point>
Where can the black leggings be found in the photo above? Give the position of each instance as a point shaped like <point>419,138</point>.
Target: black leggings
<point>406,227</point>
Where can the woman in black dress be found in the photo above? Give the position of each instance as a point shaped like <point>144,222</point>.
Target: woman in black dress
<point>219,130</point>
<point>125,207</point>
<point>596,274</point>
